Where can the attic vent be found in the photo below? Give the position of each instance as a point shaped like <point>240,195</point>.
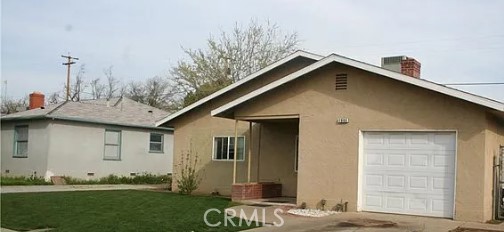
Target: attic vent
<point>341,82</point>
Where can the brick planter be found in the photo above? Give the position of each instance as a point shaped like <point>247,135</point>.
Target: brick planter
<point>245,191</point>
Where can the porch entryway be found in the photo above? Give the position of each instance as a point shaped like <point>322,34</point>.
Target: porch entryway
<point>274,140</point>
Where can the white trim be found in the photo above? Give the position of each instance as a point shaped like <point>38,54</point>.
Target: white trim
<point>229,137</point>
<point>359,170</point>
<point>455,175</point>
<point>370,68</point>
<point>409,130</point>
<point>240,82</point>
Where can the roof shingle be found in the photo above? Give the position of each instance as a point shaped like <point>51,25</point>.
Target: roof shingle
<point>122,111</point>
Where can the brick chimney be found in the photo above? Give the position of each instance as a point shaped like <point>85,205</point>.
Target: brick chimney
<point>37,100</point>
<point>402,64</point>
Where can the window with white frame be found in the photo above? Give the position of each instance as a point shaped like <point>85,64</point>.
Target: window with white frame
<point>112,145</point>
<point>224,148</point>
<point>156,143</point>
<point>21,141</point>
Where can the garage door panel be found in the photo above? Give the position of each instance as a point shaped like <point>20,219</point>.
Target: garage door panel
<point>418,204</point>
<point>409,173</point>
<point>417,140</point>
<point>410,183</point>
<point>441,161</point>
<point>394,203</point>
<point>374,181</point>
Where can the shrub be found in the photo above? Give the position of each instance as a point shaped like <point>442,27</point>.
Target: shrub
<point>111,179</point>
<point>22,180</point>
<point>72,181</point>
<point>146,178</point>
<point>188,180</point>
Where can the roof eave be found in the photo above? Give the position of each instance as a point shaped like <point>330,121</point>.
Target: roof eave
<point>107,123</point>
<point>22,118</point>
<point>492,104</point>
<point>238,83</point>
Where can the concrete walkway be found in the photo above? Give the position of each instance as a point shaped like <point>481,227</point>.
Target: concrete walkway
<point>358,222</point>
<point>64,188</point>
<point>38,230</point>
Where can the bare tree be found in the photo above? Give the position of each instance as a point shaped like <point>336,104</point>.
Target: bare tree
<point>113,84</point>
<point>97,88</point>
<point>10,106</point>
<point>54,98</point>
<point>79,84</point>
<point>136,91</point>
<point>229,58</point>
<point>156,92</point>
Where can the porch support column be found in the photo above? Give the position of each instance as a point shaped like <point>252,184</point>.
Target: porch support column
<point>259,152</point>
<point>249,152</point>
<point>235,151</point>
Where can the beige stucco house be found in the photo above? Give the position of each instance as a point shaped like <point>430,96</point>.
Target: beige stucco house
<point>86,140</point>
<point>336,129</point>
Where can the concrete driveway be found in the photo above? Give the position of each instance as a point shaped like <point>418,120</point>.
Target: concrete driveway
<point>361,222</point>
<point>65,188</point>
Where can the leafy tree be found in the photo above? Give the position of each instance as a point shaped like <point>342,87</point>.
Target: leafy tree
<point>228,58</point>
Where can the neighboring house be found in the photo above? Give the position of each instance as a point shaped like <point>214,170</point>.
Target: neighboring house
<point>88,139</point>
<point>341,130</point>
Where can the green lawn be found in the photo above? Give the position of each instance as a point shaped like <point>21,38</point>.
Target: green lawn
<point>111,211</point>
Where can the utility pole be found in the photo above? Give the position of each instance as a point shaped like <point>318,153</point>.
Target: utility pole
<point>68,64</point>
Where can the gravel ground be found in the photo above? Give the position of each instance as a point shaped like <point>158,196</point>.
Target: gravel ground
<point>311,212</point>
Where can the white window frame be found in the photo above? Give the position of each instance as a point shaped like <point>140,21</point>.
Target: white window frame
<point>162,143</point>
<point>119,145</point>
<point>15,150</point>
<point>229,138</point>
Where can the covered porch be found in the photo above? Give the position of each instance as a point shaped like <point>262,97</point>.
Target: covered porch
<point>274,140</point>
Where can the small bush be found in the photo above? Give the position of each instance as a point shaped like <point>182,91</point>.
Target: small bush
<point>146,178</point>
<point>111,179</point>
<point>22,180</point>
<point>188,180</point>
<point>73,181</point>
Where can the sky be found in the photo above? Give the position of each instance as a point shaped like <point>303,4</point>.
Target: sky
<point>456,41</point>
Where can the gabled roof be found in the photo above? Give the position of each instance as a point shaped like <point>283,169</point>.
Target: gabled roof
<point>117,111</point>
<point>486,102</point>
<point>240,82</point>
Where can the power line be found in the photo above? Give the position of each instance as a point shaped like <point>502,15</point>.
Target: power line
<point>477,83</point>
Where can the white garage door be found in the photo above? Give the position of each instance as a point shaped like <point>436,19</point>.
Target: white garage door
<point>408,173</point>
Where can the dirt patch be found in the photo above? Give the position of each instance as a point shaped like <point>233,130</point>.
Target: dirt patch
<point>370,223</point>
<point>462,229</point>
